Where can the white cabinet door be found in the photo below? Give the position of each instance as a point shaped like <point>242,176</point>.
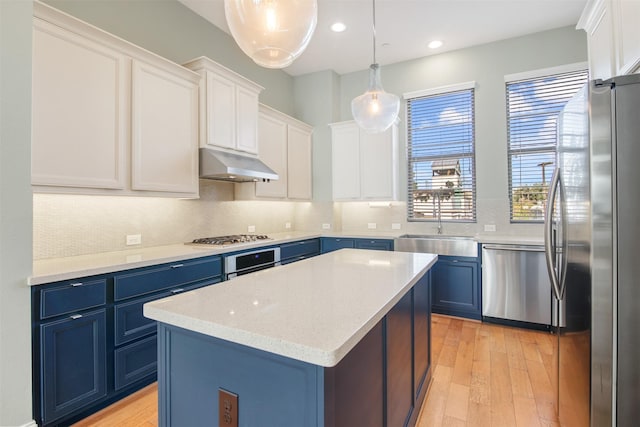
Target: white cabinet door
<point>627,24</point>
<point>220,120</point>
<point>247,120</point>
<point>601,47</point>
<point>299,163</point>
<point>273,152</point>
<point>345,155</point>
<point>80,109</point>
<point>164,131</point>
<point>378,165</point>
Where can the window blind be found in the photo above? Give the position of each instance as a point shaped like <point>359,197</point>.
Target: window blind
<point>533,106</point>
<point>441,157</point>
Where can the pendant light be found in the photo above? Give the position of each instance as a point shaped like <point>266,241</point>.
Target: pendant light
<point>272,32</point>
<point>375,110</point>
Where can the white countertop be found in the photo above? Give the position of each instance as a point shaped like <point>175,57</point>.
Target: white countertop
<point>315,310</point>
<point>56,269</point>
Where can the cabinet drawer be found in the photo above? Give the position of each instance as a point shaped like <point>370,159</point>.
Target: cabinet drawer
<point>74,296</point>
<point>375,244</point>
<point>135,361</point>
<point>141,282</point>
<point>303,249</point>
<point>129,321</point>
<point>330,244</point>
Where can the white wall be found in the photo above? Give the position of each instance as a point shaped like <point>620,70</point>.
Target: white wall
<point>15,212</point>
<point>486,65</point>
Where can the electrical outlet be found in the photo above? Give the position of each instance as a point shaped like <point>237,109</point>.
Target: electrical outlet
<point>227,408</point>
<point>395,226</point>
<point>326,226</point>
<point>287,225</point>
<point>251,229</point>
<point>372,225</point>
<point>489,227</point>
<point>134,239</point>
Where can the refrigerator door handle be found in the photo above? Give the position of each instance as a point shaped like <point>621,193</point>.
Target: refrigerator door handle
<point>564,255</point>
<point>548,234</point>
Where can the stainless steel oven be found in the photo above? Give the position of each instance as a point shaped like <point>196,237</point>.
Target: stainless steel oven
<point>248,262</point>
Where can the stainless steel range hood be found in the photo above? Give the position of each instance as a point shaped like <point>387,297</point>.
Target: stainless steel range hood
<point>225,166</point>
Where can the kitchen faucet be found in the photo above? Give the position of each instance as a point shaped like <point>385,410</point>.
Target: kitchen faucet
<point>439,211</point>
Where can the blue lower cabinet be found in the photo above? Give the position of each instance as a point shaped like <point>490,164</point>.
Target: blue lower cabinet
<point>455,287</point>
<point>136,361</point>
<point>297,251</point>
<point>329,244</point>
<point>74,367</point>
<point>92,344</point>
<point>375,244</point>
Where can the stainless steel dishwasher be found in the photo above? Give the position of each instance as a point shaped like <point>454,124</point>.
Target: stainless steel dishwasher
<point>515,284</point>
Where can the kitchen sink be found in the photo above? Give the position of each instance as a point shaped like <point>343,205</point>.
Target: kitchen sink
<point>437,244</point>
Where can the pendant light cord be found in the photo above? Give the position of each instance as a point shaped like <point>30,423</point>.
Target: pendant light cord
<point>374,31</point>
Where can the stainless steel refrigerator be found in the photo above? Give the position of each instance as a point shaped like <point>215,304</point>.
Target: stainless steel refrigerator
<point>592,243</point>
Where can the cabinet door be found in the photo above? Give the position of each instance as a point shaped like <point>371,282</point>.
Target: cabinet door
<point>330,244</point>
<point>375,244</point>
<point>456,288</point>
<point>247,120</point>
<point>345,146</point>
<point>273,152</point>
<point>73,363</point>
<point>627,25</point>
<point>378,165</point>
<point>164,129</point>
<point>601,44</point>
<point>421,335</point>
<point>399,362</point>
<point>299,164</point>
<point>220,118</point>
<point>80,110</point>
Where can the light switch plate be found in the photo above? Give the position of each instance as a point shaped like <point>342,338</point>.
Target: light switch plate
<point>134,239</point>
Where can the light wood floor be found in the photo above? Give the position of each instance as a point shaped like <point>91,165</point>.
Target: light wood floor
<point>483,375</point>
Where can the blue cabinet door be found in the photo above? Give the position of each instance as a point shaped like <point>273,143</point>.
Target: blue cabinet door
<point>73,363</point>
<point>330,244</point>
<point>399,367</point>
<point>456,288</point>
<point>375,244</point>
<point>421,336</point>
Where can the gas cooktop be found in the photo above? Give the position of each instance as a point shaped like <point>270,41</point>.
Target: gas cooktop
<point>230,240</point>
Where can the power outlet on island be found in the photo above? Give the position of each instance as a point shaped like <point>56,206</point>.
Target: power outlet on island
<point>227,408</point>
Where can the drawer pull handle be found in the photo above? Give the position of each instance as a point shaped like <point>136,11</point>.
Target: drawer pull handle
<point>176,291</point>
<point>76,316</point>
<point>75,285</point>
<point>177,265</point>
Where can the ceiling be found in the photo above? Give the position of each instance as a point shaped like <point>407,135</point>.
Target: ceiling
<point>405,27</point>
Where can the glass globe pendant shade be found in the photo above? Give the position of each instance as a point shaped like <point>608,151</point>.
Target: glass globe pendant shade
<point>272,32</point>
<point>375,110</point>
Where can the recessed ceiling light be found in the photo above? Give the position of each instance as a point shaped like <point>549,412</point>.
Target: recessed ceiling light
<point>434,44</point>
<point>338,27</point>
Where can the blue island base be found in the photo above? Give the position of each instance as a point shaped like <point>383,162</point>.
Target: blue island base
<point>381,381</point>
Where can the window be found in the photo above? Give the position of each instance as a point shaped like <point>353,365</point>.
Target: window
<point>533,105</point>
<point>441,154</point>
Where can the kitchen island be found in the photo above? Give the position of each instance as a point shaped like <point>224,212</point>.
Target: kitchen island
<point>338,339</point>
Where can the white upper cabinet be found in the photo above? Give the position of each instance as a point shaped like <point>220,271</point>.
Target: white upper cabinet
<point>284,146</point>
<point>365,166</point>
<point>108,116</point>
<point>228,108</point>
<point>613,35</point>
<point>79,111</point>
<point>164,131</point>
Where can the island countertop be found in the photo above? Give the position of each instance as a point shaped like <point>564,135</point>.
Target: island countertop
<point>315,310</point>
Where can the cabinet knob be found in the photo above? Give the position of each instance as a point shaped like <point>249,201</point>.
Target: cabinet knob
<point>75,316</point>
<point>177,265</point>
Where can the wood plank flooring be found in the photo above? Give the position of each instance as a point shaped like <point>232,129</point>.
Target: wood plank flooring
<point>483,375</point>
